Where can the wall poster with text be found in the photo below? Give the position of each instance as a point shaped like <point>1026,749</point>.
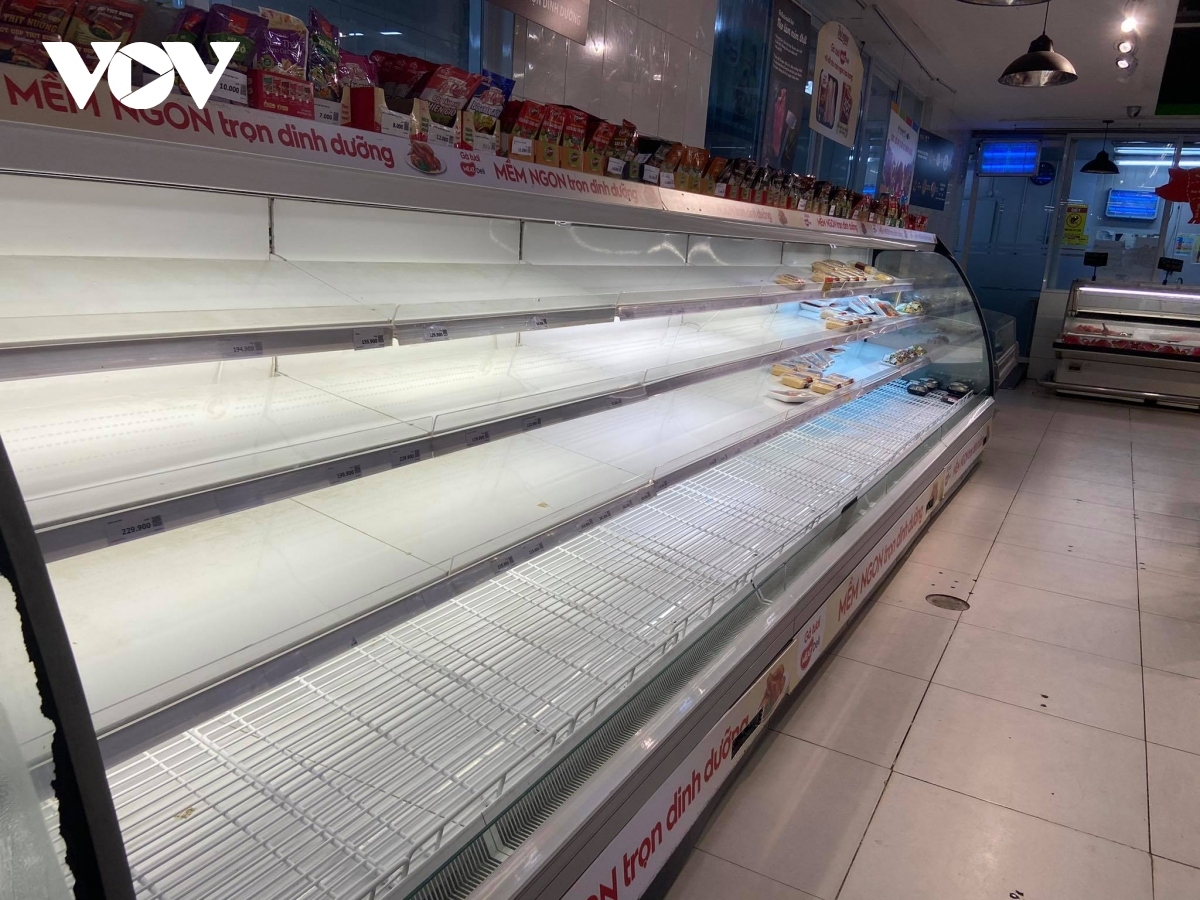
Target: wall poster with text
<point>899,156</point>
<point>837,85</point>
<point>934,169</point>
<point>787,77</point>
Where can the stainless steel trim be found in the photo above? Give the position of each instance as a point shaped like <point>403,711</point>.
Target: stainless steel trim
<point>1119,393</point>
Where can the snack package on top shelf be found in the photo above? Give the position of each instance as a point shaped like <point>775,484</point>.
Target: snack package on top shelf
<point>749,182</point>
<point>355,70</point>
<point>714,171</point>
<point>227,23</point>
<point>189,26</point>
<point>519,124</point>
<point>443,97</point>
<point>546,149</point>
<point>275,92</point>
<point>480,123</point>
<point>47,17</point>
<point>101,20</point>
<point>324,38</point>
<point>401,77</point>
<point>574,139</point>
<point>22,47</point>
<point>281,51</point>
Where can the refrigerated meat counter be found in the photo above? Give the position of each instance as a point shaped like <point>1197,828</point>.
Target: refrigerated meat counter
<point>364,551</point>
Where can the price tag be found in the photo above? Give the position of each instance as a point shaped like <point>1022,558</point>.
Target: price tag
<point>402,456</point>
<point>719,190</point>
<point>614,402</point>
<point>327,111</point>
<point>650,174</point>
<point>231,349</point>
<point>536,323</point>
<point>586,524</point>
<point>478,436</point>
<point>370,338</point>
<point>666,180</point>
<point>126,528</point>
<point>504,562</point>
<point>535,550</point>
<point>531,422</point>
<point>435,333</point>
<point>616,166</point>
<point>521,146</point>
<point>346,472</point>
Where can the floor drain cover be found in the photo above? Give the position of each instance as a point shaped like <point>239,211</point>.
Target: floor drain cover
<point>945,601</point>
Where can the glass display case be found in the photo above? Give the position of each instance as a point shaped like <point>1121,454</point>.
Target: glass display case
<point>382,535</point>
<point>1140,342</point>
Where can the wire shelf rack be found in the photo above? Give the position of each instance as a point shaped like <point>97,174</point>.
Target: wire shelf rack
<point>343,780</point>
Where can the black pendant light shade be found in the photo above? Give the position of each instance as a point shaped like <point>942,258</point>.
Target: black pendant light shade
<point>1040,67</point>
<point>1102,164</point>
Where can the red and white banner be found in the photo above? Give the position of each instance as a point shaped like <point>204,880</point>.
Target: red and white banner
<point>40,98</point>
<point>635,856</point>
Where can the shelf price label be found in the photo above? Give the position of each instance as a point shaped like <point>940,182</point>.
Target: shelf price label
<point>666,180</point>
<point>402,456</point>
<point>531,422</point>
<point>236,349</point>
<point>650,174</point>
<point>478,436</point>
<point>370,338</point>
<point>346,472</point>
<point>126,528</point>
<point>616,166</point>
<point>537,323</point>
<point>434,332</point>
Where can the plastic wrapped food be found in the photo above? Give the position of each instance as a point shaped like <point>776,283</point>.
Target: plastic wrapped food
<point>323,56</point>
<point>281,52</point>
<point>356,70</point>
<point>101,20</point>
<point>226,23</point>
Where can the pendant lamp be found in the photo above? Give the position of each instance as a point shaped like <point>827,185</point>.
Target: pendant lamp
<point>1041,66</point>
<point>1004,2</point>
<point>1102,164</point>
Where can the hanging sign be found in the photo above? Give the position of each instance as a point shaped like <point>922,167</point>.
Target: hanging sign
<point>837,85</point>
<point>1075,225</point>
<point>899,156</point>
<point>1183,185</point>
<point>931,175</point>
<point>790,27</point>
<point>567,17</point>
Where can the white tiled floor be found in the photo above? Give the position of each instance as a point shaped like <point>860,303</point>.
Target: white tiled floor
<point>1044,743</point>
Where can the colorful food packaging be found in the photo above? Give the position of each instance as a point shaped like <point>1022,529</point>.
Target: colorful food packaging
<point>356,70</point>
<point>446,92</point>
<point>521,121</point>
<point>749,182</point>
<point>23,47</point>
<point>274,92</point>
<point>226,23</point>
<point>624,142</point>
<point>487,103</point>
<point>281,51</point>
<point>323,56</point>
<point>401,77</point>
<point>602,137</point>
<point>101,20</point>
<point>282,21</point>
<point>36,16</point>
<point>714,171</point>
<point>189,26</point>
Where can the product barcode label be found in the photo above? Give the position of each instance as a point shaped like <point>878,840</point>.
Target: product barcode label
<point>405,455</point>
<point>435,333</point>
<point>370,338</point>
<point>349,472</point>
<point>650,174</point>
<point>616,166</point>
<point>538,322</point>
<point>615,401</point>
<point>719,190</point>
<point>126,528</point>
<point>478,436</point>
<point>535,550</point>
<point>530,422</point>
<point>504,562</point>
<point>521,146</point>
<point>666,180</point>
<point>231,349</point>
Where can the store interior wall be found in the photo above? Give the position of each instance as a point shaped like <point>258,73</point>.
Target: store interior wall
<point>648,61</point>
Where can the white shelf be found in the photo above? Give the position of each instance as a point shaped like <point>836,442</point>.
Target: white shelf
<point>402,531</point>
<point>382,753</point>
<point>88,445</point>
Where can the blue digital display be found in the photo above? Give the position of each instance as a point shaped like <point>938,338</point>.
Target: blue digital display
<point>1131,205</point>
<point>1009,158</point>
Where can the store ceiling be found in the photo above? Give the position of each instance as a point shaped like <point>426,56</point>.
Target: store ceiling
<point>963,48</point>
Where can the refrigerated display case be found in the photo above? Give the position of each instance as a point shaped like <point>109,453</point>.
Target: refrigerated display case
<point>1135,342</point>
<point>402,547</point>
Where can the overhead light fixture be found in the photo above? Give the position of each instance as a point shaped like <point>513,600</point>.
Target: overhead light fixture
<point>1125,46</point>
<point>1129,25</point>
<point>1124,63</point>
<point>1004,2</point>
<point>1102,164</point>
<point>1041,66</point>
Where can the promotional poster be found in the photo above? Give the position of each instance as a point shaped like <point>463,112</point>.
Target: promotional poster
<point>899,157</point>
<point>837,85</point>
<point>790,26</point>
<point>934,169</point>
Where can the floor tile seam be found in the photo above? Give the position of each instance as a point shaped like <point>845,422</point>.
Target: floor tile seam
<point>813,743</point>
<point>1042,518</point>
<point>1132,609</point>
<point>1176,749</point>
<point>1195,546</point>
<point>1041,712</point>
<point>1023,637</point>
<point>1022,812</point>
<point>1145,720</point>
<point>1077,476</point>
<point>1089,559</point>
<point>1168,671</point>
<point>1177,862</point>
<point>921,612</point>
<point>1158,570</point>
<point>863,837</point>
<point>696,848</point>
<point>1027,490</point>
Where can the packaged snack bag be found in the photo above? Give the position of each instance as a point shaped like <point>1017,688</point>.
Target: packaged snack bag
<point>36,16</point>
<point>355,70</point>
<point>189,26</point>
<point>521,121</point>
<point>282,52</point>
<point>23,47</point>
<point>624,142</point>
<point>323,56</point>
<point>749,182</point>
<point>602,137</point>
<point>279,93</point>
<point>401,77</point>
<point>283,21</point>
<point>487,103</point>
<point>226,23</point>
<point>101,20</point>
<point>446,92</point>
